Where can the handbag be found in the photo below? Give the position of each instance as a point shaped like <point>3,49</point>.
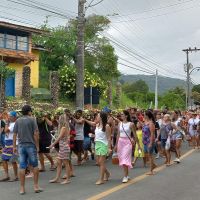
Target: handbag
<point>168,144</point>
<point>115,159</point>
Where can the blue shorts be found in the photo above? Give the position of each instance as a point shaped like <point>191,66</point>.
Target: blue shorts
<point>27,156</point>
<point>163,143</point>
<point>86,144</point>
<point>149,150</point>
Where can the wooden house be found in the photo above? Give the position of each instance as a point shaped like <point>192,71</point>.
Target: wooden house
<point>17,50</point>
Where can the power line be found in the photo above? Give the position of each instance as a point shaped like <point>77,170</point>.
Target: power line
<point>40,8</point>
<point>155,16</point>
<point>154,9</point>
<point>134,54</point>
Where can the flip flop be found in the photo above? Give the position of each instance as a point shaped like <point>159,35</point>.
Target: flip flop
<point>54,181</point>
<point>5,179</point>
<point>22,193</point>
<point>52,168</point>
<point>39,190</point>
<point>13,180</point>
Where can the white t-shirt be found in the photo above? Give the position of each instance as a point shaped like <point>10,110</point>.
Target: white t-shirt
<point>192,122</point>
<point>9,136</point>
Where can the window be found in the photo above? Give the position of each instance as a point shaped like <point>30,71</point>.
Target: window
<point>22,43</point>
<point>1,40</point>
<point>11,41</point>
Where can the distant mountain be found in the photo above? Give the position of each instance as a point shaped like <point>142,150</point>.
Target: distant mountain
<point>164,83</point>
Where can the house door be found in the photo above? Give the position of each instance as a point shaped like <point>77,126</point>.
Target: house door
<point>10,87</point>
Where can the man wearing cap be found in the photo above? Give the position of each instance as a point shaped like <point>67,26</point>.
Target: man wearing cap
<point>26,130</point>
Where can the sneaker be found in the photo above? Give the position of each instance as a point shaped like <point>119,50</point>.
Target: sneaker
<point>125,180</point>
<point>177,160</point>
<point>158,156</point>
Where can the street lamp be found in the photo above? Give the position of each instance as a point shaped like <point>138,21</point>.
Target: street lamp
<point>196,68</point>
<point>189,95</point>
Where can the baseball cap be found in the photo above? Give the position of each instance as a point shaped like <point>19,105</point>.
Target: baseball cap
<point>13,114</point>
<point>26,109</point>
<point>106,110</point>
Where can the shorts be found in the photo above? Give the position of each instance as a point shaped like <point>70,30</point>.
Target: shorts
<point>101,149</point>
<point>177,136</point>
<point>78,146</point>
<point>86,144</point>
<point>163,143</point>
<point>149,150</point>
<point>193,133</point>
<point>43,147</point>
<point>27,156</point>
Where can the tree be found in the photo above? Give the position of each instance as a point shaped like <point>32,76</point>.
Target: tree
<point>196,88</point>
<point>139,86</point>
<point>5,72</point>
<point>60,43</point>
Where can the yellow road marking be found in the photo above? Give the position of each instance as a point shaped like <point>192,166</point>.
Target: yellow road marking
<point>135,180</point>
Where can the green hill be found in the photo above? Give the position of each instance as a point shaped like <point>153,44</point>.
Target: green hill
<point>164,83</point>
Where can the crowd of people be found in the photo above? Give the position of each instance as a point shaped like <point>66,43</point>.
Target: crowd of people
<point>127,135</point>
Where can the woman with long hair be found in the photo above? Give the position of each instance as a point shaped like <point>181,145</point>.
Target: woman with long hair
<point>102,145</point>
<point>166,130</point>
<point>177,137</point>
<point>148,134</point>
<point>64,150</point>
<point>125,142</point>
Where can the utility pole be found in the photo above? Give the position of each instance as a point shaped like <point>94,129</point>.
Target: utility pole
<point>156,91</point>
<point>187,70</point>
<point>80,55</point>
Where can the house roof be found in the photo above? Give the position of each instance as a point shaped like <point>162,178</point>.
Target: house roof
<point>20,27</point>
<point>19,56</point>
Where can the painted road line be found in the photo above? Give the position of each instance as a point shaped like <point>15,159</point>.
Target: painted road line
<point>131,182</point>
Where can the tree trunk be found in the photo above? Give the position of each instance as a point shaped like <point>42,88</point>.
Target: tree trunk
<point>2,92</point>
<point>26,84</point>
<point>118,94</point>
<point>80,56</point>
<point>110,97</point>
<point>54,87</point>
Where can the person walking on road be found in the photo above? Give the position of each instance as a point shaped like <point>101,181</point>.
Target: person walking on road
<point>125,142</point>
<point>148,132</point>
<point>64,150</point>
<point>26,130</point>
<point>102,144</point>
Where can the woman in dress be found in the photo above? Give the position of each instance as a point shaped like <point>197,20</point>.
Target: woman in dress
<point>148,134</point>
<point>139,153</point>
<point>102,145</point>
<point>7,154</point>
<point>125,142</point>
<point>166,130</point>
<point>64,149</point>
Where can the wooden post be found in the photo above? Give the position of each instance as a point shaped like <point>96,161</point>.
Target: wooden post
<point>26,84</point>
<point>54,87</point>
<point>118,94</point>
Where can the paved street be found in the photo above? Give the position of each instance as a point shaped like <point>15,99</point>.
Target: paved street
<point>178,182</point>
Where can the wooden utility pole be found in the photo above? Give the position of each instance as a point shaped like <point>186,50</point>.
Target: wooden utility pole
<point>80,55</point>
<point>156,91</point>
<point>187,70</point>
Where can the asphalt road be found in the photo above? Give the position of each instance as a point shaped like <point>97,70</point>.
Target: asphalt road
<point>178,182</point>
